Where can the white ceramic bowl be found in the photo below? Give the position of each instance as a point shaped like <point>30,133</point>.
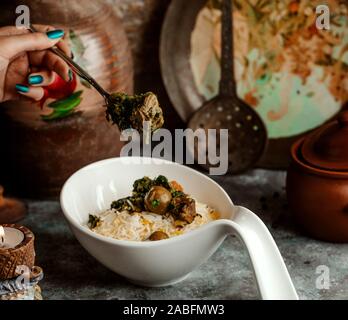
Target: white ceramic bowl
<point>92,189</point>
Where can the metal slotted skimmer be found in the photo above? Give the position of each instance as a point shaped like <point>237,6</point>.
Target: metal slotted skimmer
<point>247,134</point>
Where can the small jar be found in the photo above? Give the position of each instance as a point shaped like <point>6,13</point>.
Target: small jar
<point>317,181</point>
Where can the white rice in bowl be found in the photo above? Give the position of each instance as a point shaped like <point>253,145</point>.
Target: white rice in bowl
<point>138,226</point>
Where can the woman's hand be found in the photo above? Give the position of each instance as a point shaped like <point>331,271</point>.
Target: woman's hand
<point>25,63</point>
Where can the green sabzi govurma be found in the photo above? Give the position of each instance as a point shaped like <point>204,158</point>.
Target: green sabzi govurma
<point>140,188</point>
<point>128,111</point>
<point>93,221</point>
<point>158,196</point>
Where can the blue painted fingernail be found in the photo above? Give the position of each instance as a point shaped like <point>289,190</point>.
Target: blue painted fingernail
<point>35,79</point>
<point>70,73</point>
<point>22,88</point>
<point>55,34</point>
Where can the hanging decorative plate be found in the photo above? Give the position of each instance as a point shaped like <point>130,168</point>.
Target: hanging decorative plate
<point>294,74</point>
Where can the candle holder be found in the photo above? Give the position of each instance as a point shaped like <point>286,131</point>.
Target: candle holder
<point>22,252</point>
<point>22,288</point>
<point>19,277</point>
<point>11,210</point>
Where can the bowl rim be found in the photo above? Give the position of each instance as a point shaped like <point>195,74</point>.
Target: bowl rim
<point>129,243</point>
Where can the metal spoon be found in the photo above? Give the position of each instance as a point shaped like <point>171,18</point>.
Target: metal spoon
<point>148,110</point>
<point>78,70</point>
<point>246,131</point>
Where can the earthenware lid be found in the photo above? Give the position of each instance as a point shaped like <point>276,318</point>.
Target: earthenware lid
<point>327,148</point>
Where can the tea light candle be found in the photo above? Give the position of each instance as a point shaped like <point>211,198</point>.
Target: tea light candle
<point>10,237</point>
<point>16,248</point>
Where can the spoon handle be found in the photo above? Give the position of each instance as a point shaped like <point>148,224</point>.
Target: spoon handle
<point>271,274</point>
<point>76,68</point>
<point>227,81</point>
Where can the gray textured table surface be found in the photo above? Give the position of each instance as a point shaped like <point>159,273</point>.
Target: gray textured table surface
<point>71,273</point>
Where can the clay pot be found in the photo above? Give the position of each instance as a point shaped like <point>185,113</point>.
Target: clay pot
<point>317,182</point>
<point>39,156</point>
<point>11,210</point>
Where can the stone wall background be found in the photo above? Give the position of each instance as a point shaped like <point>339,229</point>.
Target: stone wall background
<point>142,20</point>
